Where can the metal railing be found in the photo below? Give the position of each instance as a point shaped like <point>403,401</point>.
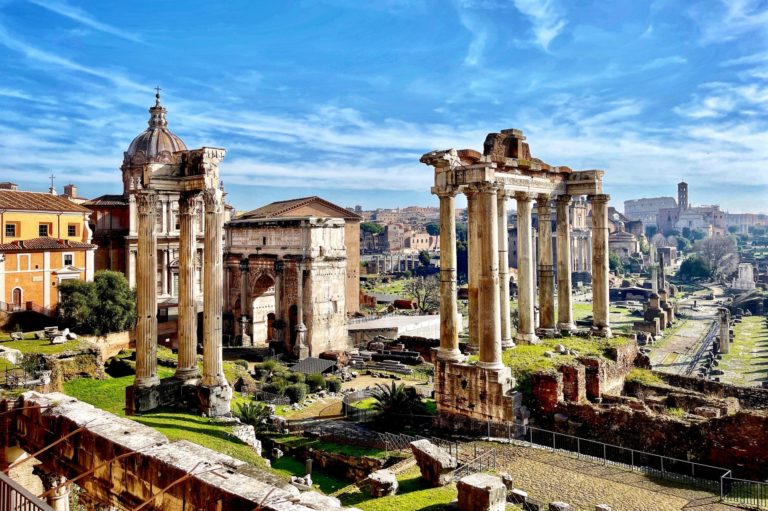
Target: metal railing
<point>482,462</point>
<point>743,492</point>
<point>13,497</point>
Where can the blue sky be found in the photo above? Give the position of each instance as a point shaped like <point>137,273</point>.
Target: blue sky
<point>340,98</point>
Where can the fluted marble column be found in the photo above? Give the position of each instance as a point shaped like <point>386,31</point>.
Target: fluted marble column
<point>564,304</point>
<point>503,240</point>
<point>187,359</point>
<point>489,321</point>
<point>449,332</point>
<point>473,267</point>
<point>301,348</point>
<point>546,270</point>
<point>146,291</point>
<point>213,289</point>
<point>132,214</point>
<point>525,284</point>
<point>279,334</point>
<point>601,320</point>
<point>245,305</point>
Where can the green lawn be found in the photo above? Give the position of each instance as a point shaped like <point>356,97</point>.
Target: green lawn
<point>747,361</point>
<point>109,395</point>
<point>42,346</point>
<point>5,365</point>
<point>414,494</point>
<point>287,467</point>
<point>348,450</point>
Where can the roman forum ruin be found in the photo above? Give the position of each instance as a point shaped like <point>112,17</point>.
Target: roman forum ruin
<point>507,170</point>
<point>188,174</point>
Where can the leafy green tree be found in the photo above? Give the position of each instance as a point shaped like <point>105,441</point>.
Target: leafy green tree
<point>614,262</point>
<point>733,229</point>
<point>396,399</point>
<point>756,230</point>
<point>316,382</point>
<point>371,227</point>
<point>684,244</point>
<point>425,291</point>
<point>433,229</point>
<point>424,257</point>
<point>461,231</point>
<point>650,231</point>
<point>694,267</point>
<point>107,304</point>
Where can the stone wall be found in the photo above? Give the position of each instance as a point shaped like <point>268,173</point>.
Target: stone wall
<point>110,344</point>
<point>69,365</point>
<point>749,397</point>
<point>423,345</point>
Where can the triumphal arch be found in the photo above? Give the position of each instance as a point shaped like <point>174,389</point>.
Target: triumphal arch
<point>507,170</point>
<point>191,175</point>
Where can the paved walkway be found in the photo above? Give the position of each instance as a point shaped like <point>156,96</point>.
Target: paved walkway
<point>548,477</point>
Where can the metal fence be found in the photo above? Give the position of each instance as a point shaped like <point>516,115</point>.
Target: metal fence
<point>13,497</point>
<point>743,492</point>
<point>482,462</point>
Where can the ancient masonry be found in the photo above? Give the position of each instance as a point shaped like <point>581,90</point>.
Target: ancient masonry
<point>189,174</point>
<point>507,170</point>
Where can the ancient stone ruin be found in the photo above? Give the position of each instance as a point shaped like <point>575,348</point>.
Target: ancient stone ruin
<point>506,170</point>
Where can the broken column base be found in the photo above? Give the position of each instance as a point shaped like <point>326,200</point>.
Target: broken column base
<point>602,331</point>
<point>482,492</point>
<point>138,400</point>
<point>214,401</point>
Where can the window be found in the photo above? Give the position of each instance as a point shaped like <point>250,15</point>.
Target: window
<point>72,230</point>
<point>10,230</point>
<point>68,259</point>
<point>42,230</point>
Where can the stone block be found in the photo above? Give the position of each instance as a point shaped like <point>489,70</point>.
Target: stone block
<point>559,506</point>
<point>383,483</point>
<point>215,400</point>
<point>517,496</point>
<point>602,507</point>
<point>318,501</point>
<point>276,453</point>
<point>506,478</point>
<point>482,492</point>
<point>436,464</point>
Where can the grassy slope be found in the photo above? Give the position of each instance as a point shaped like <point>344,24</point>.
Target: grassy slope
<point>414,494</point>
<point>42,346</point>
<point>746,362</point>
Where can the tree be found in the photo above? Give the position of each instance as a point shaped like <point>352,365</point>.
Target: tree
<point>614,262</point>
<point>733,229</point>
<point>433,229</point>
<point>650,231</point>
<point>425,291</point>
<point>720,254</point>
<point>107,304</point>
<point>424,258</point>
<point>256,415</point>
<point>397,399</point>
<point>371,227</point>
<point>461,231</point>
<point>757,230</point>
<point>683,244</point>
<point>694,267</point>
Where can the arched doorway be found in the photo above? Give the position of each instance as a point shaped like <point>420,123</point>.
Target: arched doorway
<point>293,316</point>
<point>270,321</point>
<point>262,308</point>
<point>16,297</point>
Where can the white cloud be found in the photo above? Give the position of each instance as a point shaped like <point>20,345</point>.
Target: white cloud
<point>545,17</point>
<point>76,14</point>
<point>733,19</point>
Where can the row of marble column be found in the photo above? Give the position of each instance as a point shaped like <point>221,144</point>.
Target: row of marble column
<point>488,290</point>
<point>213,283</point>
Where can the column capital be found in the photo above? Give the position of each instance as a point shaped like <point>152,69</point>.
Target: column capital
<point>503,193</point>
<point>214,200</point>
<point>564,199</point>
<point>488,187</point>
<point>188,203</point>
<point>599,198</point>
<point>445,193</point>
<point>146,201</point>
<point>524,196</point>
<point>542,200</point>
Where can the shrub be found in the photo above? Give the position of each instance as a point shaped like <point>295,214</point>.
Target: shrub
<point>316,382</point>
<point>256,415</point>
<point>334,384</point>
<point>296,377</point>
<point>297,392</point>
<point>242,363</point>
<point>277,386</point>
<point>107,304</point>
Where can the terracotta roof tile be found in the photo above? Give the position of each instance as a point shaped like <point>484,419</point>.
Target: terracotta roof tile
<point>43,244</point>
<point>36,201</point>
<point>107,200</point>
<point>284,208</point>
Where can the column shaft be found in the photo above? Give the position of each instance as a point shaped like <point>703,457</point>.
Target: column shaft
<point>503,240</point>
<point>600,315</point>
<point>564,305</point>
<point>164,272</point>
<point>279,334</point>
<point>301,348</point>
<point>546,269</point>
<point>489,321</point>
<point>187,358</point>
<point>213,290</point>
<point>146,291</point>
<point>245,304</point>
<point>525,282</point>
<point>449,332</point>
<point>473,263</point>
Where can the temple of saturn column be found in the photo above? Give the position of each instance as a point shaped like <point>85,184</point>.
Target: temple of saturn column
<point>506,170</point>
<point>192,175</point>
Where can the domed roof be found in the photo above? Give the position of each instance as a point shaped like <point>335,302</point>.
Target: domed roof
<point>157,143</point>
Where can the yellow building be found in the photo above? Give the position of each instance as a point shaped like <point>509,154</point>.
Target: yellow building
<point>44,240</point>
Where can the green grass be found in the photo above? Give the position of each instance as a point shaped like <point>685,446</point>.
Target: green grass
<point>414,494</point>
<point>644,376</point>
<point>6,365</point>
<point>287,467</point>
<point>745,363</point>
<point>109,395</point>
<point>43,346</point>
<point>674,412</point>
<point>295,441</point>
<point>365,404</point>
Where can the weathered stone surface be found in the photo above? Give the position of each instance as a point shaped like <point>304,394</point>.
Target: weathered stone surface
<point>602,507</point>
<point>481,492</point>
<point>436,464</point>
<point>559,506</point>
<point>506,478</point>
<point>518,496</point>
<point>383,483</point>
<point>318,501</point>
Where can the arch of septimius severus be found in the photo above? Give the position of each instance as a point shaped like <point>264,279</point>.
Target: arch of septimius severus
<point>506,170</point>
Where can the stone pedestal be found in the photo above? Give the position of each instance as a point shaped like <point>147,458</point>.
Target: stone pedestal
<point>215,400</point>
<point>56,488</point>
<point>482,492</point>
<point>600,271</point>
<point>383,483</point>
<point>564,299</point>
<point>525,285</point>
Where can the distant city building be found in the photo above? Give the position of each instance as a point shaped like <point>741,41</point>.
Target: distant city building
<point>45,240</point>
<point>647,210</point>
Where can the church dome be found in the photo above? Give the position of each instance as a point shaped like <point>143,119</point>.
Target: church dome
<point>157,143</point>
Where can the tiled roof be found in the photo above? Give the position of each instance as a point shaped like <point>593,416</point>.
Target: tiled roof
<point>36,201</point>
<point>284,208</point>
<point>43,244</point>
<point>312,365</point>
<point>107,200</point>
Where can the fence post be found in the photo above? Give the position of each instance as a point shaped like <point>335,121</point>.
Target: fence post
<point>489,428</point>
<point>605,454</point>
<point>662,464</point>
<point>632,451</point>
<point>530,431</point>
<point>578,447</point>
<point>553,441</point>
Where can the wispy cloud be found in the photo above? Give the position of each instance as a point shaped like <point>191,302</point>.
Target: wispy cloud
<point>731,20</point>
<point>546,18</point>
<point>76,14</point>
<point>662,62</point>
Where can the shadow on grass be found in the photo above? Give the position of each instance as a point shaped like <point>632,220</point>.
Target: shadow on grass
<point>288,466</point>
<point>413,494</point>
